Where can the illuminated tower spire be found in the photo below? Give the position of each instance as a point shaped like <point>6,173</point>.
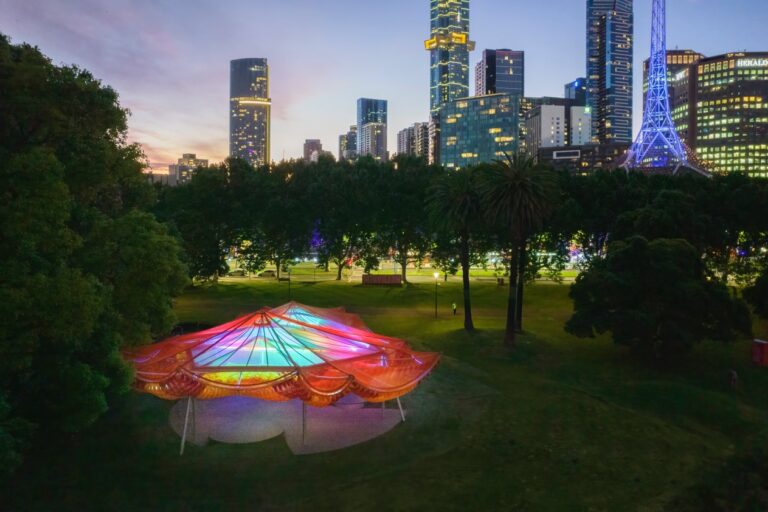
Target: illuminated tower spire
<point>658,146</point>
<point>449,48</point>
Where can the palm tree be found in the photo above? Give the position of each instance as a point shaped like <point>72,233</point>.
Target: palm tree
<point>455,208</point>
<point>518,195</point>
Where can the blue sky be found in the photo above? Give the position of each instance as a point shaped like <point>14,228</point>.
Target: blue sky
<point>169,59</point>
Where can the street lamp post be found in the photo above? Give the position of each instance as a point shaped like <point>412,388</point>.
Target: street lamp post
<point>437,278</point>
<point>289,284</point>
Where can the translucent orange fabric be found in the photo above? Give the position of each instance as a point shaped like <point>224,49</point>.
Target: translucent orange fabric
<point>293,351</point>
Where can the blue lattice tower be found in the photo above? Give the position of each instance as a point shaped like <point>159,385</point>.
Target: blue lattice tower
<point>658,146</point>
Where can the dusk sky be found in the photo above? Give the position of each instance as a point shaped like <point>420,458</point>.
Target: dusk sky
<point>169,60</point>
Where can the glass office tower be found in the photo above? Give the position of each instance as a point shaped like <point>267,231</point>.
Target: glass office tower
<point>478,130</point>
<point>500,72</point>
<point>449,48</point>
<point>610,39</point>
<point>249,111</point>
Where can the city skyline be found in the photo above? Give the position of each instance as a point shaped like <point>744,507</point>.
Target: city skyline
<point>175,80</point>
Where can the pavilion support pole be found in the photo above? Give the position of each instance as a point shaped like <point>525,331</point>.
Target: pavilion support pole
<point>303,421</point>
<point>383,406</point>
<point>194,420</point>
<point>186,423</point>
<point>400,406</point>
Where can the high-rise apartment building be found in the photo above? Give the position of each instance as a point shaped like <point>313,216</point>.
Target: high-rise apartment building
<point>414,140</point>
<point>610,41</point>
<point>348,144</point>
<point>478,130</point>
<point>181,172</point>
<point>312,148</point>
<point>249,111</point>
<point>500,72</point>
<point>373,141</point>
<point>449,48</point>
<point>370,111</point>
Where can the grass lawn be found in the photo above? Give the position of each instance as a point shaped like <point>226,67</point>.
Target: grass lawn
<point>559,425</point>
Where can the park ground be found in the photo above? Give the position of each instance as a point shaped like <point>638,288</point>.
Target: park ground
<point>560,424</point>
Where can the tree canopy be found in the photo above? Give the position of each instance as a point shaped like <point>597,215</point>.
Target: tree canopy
<point>84,268</point>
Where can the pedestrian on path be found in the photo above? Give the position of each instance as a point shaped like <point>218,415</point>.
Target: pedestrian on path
<point>454,308</point>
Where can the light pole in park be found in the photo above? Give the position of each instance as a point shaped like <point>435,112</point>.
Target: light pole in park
<point>437,278</point>
<point>289,283</point>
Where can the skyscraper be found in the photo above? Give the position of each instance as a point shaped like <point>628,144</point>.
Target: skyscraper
<point>312,146</point>
<point>414,140</point>
<point>610,40</point>
<point>369,111</point>
<point>500,72</point>
<point>185,167</point>
<point>449,48</point>
<point>373,141</point>
<point>348,144</point>
<point>723,106</point>
<point>249,111</point>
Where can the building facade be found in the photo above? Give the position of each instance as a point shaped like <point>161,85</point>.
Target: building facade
<point>348,144</point>
<point>312,147</point>
<point>479,129</point>
<point>727,111</point>
<point>583,160</point>
<point>576,91</point>
<point>373,141</point>
<point>500,72</point>
<point>678,61</point>
<point>414,140</point>
<point>554,126</point>
<point>610,41</point>
<point>449,46</point>
<point>250,111</point>
<point>369,111</point>
<point>182,171</point>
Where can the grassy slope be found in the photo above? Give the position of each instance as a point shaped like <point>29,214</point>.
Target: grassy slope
<point>562,424</point>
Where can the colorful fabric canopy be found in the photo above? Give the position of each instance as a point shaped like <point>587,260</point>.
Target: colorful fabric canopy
<point>293,351</point>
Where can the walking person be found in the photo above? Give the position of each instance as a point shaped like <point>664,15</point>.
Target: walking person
<point>454,308</point>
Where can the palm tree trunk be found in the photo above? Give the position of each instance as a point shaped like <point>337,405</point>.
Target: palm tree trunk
<point>521,284</point>
<point>510,337</point>
<point>468,324</point>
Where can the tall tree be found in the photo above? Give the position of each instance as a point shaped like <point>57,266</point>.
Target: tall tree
<point>518,195</point>
<point>202,211</point>
<point>75,239</point>
<point>402,224</point>
<point>455,209</point>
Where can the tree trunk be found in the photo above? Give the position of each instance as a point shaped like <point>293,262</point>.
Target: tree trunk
<point>468,324</point>
<point>339,269</point>
<point>403,268</point>
<point>521,284</point>
<point>277,264</point>
<point>510,337</point>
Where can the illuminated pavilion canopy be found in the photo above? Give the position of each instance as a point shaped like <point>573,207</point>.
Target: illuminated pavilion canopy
<point>294,351</point>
